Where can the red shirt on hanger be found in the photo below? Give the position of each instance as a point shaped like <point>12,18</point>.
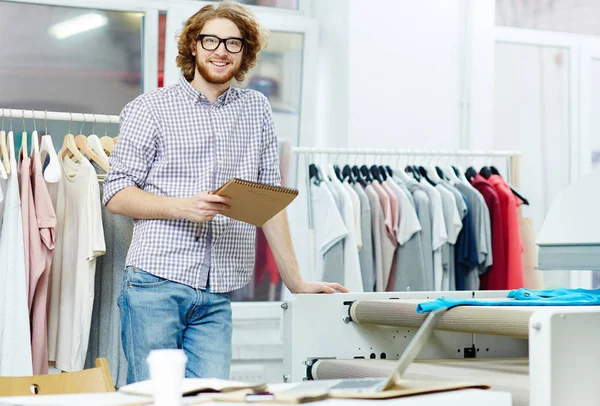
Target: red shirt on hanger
<point>497,277</point>
<point>512,235</point>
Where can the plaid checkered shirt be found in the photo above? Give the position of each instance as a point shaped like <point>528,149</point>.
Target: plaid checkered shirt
<point>173,142</point>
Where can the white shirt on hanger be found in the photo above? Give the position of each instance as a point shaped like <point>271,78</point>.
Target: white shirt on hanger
<point>356,207</point>
<point>439,232</point>
<point>15,336</point>
<point>352,273</point>
<point>328,225</point>
<point>79,241</point>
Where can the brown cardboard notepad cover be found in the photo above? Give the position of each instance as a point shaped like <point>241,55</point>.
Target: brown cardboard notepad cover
<point>410,388</point>
<point>255,203</point>
<point>403,388</point>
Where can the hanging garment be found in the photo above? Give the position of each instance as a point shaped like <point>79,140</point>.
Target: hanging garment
<point>333,259</point>
<point>512,234</point>
<point>381,242</point>
<point>388,243</point>
<point>384,200</point>
<point>31,237</point>
<point>40,267</point>
<point>497,277</point>
<point>453,222</point>
<point>329,230</point>
<point>105,327</point>
<point>393,208</point>
<point>15,336</point>
<point>409,272</point>
<point>462,210</point>
<point>365,255</point>
<point>79,241</point>
<point>424,211</point>
<point>481,221</point>
<point>356,211</point>
<point>466,253</point>
<point>439,232</point>
<point>352,274</point>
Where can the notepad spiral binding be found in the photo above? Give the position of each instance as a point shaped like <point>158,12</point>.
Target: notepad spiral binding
<point>256,185</point>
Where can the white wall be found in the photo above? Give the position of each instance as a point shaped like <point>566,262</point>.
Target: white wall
<point>391,74</point>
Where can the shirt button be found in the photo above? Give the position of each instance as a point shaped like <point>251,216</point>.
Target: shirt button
<point>220,162</point>
<point>218,134</point>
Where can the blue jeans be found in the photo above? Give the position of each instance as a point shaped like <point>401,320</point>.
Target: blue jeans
<point>157,313</point>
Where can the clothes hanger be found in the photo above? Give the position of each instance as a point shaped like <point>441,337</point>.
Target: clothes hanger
<point>347,174</point>
<point>451,173</point>
<point>314,174</point>
<point>107,142</point>
<point>11,146</point>
<point>24,150</point>
<point>69,146</point>
<point>398,173</point>
<point>425,174</point>
<point>95,144</point>
<point>383,172</point>
<point>35,142</point>
<point>338,172</point>
<point>3,173</point>
<point>4,162</point>
<point>470,173</point>
<point>52,170</point>
<point>359,176</point>
<point>495,171</point>
<point>364,170</point>
<point>485,172</point>
<point>376,173</point>
<point>83,146</point>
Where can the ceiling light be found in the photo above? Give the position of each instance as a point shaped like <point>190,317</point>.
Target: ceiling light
<point>77,25</point>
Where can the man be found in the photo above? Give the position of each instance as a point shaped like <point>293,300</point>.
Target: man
<point>175,145</point>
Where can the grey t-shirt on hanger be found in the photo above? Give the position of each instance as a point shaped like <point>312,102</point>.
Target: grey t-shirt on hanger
<point>422,206</point>
<point>409,273</point>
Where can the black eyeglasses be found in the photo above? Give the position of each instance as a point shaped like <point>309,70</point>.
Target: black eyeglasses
<point>211,42</point>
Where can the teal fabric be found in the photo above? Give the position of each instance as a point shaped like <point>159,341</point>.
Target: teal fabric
<point>522,297</point>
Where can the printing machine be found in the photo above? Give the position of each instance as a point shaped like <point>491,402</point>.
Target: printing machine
<point>543,355</point>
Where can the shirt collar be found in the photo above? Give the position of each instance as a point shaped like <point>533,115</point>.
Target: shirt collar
<point>198,97</point>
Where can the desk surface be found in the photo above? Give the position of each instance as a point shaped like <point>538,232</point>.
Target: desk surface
<point>467,397</point>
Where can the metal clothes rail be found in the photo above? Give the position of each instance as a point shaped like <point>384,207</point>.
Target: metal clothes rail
<point>58,116</point>
<point>512,165</point>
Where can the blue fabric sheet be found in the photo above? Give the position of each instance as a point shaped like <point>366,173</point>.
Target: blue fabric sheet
<point>523,297</point>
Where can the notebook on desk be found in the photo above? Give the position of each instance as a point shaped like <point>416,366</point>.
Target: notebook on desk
<point>255,203</point>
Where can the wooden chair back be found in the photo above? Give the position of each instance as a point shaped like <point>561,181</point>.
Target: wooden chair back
<point>90,380</point>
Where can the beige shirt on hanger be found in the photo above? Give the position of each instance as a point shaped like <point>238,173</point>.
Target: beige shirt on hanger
<point>79,241</point>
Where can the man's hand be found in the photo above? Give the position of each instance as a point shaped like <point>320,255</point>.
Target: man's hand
<point>318,287</point>
<point>202,207</point>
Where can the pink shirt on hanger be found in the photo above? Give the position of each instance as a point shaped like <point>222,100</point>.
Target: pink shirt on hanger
<point>384,198</point>
<point>393,207</point>
<point>40,263</point>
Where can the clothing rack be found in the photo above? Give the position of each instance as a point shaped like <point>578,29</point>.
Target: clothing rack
<point>512,166</point>
<point>58,116</point>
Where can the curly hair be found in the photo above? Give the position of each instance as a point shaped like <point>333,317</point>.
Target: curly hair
<point>255,36</point>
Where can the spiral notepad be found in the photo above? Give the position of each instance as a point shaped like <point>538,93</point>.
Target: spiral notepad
<point>255,203</point>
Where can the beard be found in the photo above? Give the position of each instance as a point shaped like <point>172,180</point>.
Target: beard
<point>218,79</point>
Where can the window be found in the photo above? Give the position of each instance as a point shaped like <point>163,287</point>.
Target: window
<point>577,16</point>
<point>68,59</point>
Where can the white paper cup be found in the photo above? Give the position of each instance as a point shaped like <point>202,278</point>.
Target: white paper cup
<point>167,371</point>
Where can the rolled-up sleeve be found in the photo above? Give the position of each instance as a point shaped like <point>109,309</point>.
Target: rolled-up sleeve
<point>133,155</point>
<point>268,171</point>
